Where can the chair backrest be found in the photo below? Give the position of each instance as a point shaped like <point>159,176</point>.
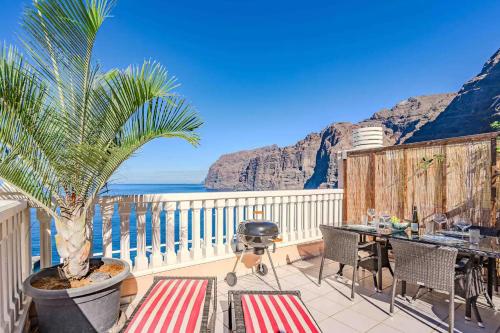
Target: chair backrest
<point>427,264</point>
<point>340,245</point>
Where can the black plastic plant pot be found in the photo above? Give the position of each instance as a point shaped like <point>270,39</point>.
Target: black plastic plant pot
<point>92,308</point>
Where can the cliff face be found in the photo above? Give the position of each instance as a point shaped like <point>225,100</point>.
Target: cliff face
<point>472,111</point>
<point>310,163</point>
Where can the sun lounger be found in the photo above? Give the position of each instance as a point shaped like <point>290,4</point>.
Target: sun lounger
<point>269,311</point>
<point>176,304</point>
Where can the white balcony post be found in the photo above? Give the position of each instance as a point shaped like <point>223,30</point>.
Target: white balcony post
<point>107,210</point>
<point>240,211</point>
<point>331,209</point>
<point>220,249</point>
<point>307,217</point>
<point>268,213</point>
<point>292,225</point>
<point>300,217</point>
<point>45,238</point>
<point>260,207</point>
<point>208,248</point>
<point>183,254</point>
<point>141,260</point>
<point>231,203</point>
<point>156,256</point>
<point>312,212</point>
<point>338,208</point>
<point>26,239</point>
<point>285,217</point>
<point>325,209</point>
<point>275,217</point>
<point>4,271</point>
<point>170,257</point>
<point>250,208</point>
<point>196,207</point>
<point>319,209</point>
<point>124,212</point>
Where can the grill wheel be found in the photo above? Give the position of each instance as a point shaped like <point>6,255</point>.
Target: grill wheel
<point>262,269</point>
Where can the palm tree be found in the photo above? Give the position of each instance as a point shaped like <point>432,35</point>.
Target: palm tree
<point>66,125</point>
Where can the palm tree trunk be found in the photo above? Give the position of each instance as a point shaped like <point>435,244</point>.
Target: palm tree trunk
<point>73,245</point>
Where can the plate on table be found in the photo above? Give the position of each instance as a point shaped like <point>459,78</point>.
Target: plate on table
<point>455,233</point>
<point>442,239</point>
<point>361,227</point>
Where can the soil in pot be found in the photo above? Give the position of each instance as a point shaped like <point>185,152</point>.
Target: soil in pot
<point>58,282</point>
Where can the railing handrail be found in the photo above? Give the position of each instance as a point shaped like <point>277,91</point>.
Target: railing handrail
<point>169,197</point>
<point>9,208</point>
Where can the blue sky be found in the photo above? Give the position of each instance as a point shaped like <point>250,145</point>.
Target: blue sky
<point>270,72</point>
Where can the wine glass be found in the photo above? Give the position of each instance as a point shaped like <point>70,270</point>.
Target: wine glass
<point>371,213</point>
<point>440,219</point>
<point>463,224</point>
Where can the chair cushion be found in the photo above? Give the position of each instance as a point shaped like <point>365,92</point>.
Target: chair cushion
<point>174,305</point>
<point>276,313</point>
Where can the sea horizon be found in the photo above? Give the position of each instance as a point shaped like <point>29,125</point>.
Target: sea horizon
<point>120,189</point>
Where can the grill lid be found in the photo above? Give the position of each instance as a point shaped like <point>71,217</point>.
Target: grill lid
<point>258,228</point>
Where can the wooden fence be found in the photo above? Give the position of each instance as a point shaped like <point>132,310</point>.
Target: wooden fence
<point>456,176</point>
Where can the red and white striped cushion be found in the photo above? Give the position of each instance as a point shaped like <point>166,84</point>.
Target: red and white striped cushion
<point>172,306</point>
<point>276,313</point>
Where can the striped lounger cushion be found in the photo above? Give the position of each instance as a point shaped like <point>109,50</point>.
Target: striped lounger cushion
<point>173,305</point>
<point>276,313</point>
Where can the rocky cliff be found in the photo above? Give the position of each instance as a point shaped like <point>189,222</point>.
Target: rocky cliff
<point>310,163</point>
<point>472,111</point>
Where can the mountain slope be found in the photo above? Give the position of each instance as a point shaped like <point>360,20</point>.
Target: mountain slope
<point>310,163</point>
<point>472,111</point>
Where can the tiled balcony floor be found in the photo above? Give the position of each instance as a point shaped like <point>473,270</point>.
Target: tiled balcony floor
<point>332,308</point>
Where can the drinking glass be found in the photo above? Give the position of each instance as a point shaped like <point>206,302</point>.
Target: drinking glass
<point>474,235</point>
<point>463,224</point>
<point>440,219</point>
<point>371,213</point>
<point>364,220</point>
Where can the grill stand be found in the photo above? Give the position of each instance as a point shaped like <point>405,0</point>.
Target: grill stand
<point>231,278</point>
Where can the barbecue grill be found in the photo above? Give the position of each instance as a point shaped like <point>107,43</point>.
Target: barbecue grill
<point>258,235</point>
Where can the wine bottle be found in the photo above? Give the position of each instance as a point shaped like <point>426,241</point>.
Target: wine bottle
<point>414,221</point>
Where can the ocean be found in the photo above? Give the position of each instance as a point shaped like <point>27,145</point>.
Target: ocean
<point>122,189</point>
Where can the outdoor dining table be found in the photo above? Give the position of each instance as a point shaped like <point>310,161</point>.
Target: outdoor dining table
<point>488,247</point>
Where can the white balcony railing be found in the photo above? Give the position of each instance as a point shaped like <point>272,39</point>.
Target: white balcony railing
<point>15,263</point>
<point>196,227</point>
<point>199,227</point>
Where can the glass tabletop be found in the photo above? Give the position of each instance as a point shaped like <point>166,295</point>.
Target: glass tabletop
<point>487,247</point>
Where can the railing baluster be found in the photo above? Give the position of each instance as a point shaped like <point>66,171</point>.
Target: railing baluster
<point>292,218</point>
<point>275,217</point>
<point>26,240</point>
<point>170,256</point>
<point>183,254</point>
<point>300,217</point>
<point>314,221</point>
<point>156,256</point>
<point>231,203</point>
<point>240,211</point>
<point>319,209</point>
<point>285,217</point>
<point>325,209</point>
<point>141,260</point>
<point>4,314</point>
<point>107,210</point>
<point>45,240</point>
<point>335,214</point>
<point>220,249</point>
<point>196,207</point>
<point>124,213</point>
<point>208,249</point>
<point>307,216</point>
<point>268,207</point>
<point>250,208</point>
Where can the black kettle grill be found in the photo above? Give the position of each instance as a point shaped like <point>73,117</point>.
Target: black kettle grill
<point>258,235</point>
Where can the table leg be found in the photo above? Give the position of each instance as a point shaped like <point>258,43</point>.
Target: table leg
<point>403,288</point>
<point>492,275</point>
<point>379,265</point>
